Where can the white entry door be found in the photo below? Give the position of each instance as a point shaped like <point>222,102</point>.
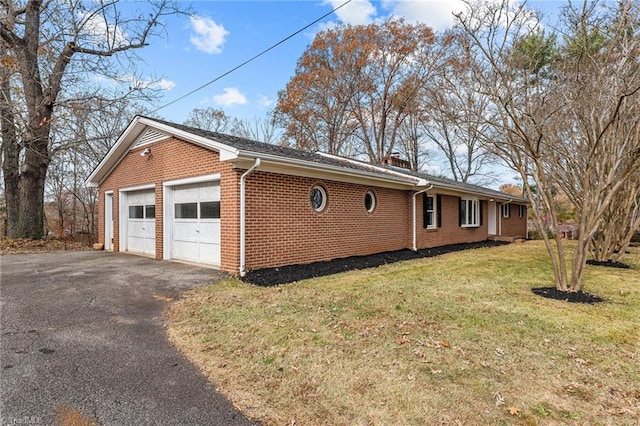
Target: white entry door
<point>141,222</point>
<point>108,221</point>
<point>492,218</point>
<point>196,223</point>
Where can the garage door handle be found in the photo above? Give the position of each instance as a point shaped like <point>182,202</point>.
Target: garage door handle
<point>198,231</point>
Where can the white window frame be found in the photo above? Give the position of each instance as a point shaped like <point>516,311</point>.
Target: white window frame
<point>373,201</point>
<point>324,198</point>
<point>434,211</point>
<point>521,210</point>
<point>474,204</point>
<point>505,210</point>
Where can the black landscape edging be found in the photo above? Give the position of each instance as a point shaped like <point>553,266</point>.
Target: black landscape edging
<point>608,263</point>
<point>566,296</point>
<point>268,277</point>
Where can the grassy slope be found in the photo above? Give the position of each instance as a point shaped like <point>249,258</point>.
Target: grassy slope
<point>454,339</point>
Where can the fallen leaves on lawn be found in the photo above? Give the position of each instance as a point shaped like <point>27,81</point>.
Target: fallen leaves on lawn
<point>514,411</point>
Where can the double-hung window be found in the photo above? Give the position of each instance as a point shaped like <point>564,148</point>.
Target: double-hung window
<point>469,212</point>
<point>429,209</point>
<point>506,210</point>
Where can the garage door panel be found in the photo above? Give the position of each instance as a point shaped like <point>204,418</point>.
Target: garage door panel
<point>141,224</point>
<point>210,232</point>
<point>196,239</point>
<point>209,253</point>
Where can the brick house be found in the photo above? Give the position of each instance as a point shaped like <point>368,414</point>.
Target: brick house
<point>174,192</point>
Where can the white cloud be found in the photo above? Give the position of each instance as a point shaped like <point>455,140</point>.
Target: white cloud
<point>208,36</point>
<point>438,14</point>
<point>358,12</point>
<point>265,101</point>
<point>230,96</point>
<point>164,84</point>
<point>100,33</point>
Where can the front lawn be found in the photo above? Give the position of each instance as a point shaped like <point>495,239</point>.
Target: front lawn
<point>455,339</point>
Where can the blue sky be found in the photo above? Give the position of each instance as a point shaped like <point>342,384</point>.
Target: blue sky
<point>222,34</point>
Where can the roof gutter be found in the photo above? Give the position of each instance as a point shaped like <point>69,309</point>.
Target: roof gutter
<point>243,187</point>
<point>415,224</point>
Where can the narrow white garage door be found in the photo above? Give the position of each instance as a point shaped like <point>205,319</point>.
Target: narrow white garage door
<point>196,223</point>
<point>141,225</point>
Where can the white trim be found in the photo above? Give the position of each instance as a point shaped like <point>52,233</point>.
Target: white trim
<point>413,217</point>
<point>373,201</point>
<point>492,207</point>
<point>108,220</point>
<point>195,179</point>
<point>434,225</point>
<point>138,187</point>
<point>477,215</point>
<point>324,198</point>
<point>167,220</point>
<point>418,181</point>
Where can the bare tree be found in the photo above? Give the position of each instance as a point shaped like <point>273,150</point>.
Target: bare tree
<point>209,118</point>
<point>262,129</point>
<point>456,119</point>
<point>55,47</point>
<point>567,121</point>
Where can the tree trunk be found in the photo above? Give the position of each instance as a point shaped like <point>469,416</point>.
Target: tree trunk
<point>10,157</point>
<point>32,180</point>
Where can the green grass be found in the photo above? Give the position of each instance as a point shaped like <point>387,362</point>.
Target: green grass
<point>456,339</point>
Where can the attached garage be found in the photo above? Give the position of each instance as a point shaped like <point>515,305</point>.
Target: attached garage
<point>193,220</point>
<point>138,206</point>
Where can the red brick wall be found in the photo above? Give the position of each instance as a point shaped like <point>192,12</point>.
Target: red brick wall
<point>173,159</point>
<point>514,226</point>
<point>282,227</point>
<point>450,232</point>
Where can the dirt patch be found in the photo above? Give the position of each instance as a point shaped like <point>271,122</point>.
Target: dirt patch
<point>566,296</point>
<point>26,246</point>
<point>287,274</point>
<point>608,263</point>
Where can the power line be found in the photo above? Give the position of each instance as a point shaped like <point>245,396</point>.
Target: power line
<point>252,58</point>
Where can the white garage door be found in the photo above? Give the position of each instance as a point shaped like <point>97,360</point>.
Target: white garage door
<point>141,225</point>
<point>196,223</point>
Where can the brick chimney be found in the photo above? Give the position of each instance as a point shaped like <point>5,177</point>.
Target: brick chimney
<point>395,160</point>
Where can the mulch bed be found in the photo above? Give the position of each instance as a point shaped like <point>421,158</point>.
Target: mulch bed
<point>565,296</point>
<point>608,263</point>
<point>286,274</point>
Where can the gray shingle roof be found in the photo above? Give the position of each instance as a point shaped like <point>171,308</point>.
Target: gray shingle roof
<point>312,157</point>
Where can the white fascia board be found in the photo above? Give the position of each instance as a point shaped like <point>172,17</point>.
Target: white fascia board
<point>107,164</point>
<point>133,131</point>
<point>226,152</point>
<point>404,180</point>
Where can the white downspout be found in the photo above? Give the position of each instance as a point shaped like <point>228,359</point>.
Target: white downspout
<point>500,213</point>
<point>415,237</point>
<point>242,215</point>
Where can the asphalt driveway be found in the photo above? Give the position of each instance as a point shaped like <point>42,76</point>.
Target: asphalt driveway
<point>83,342</point>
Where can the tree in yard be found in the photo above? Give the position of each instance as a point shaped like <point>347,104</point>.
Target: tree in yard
<point>314,107</point>
<point>454,120</point>
<point>355,86</point>
<point>50,51</point>
<point>565,112</point>
<point>262,129</point>
<point>209,118</point>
